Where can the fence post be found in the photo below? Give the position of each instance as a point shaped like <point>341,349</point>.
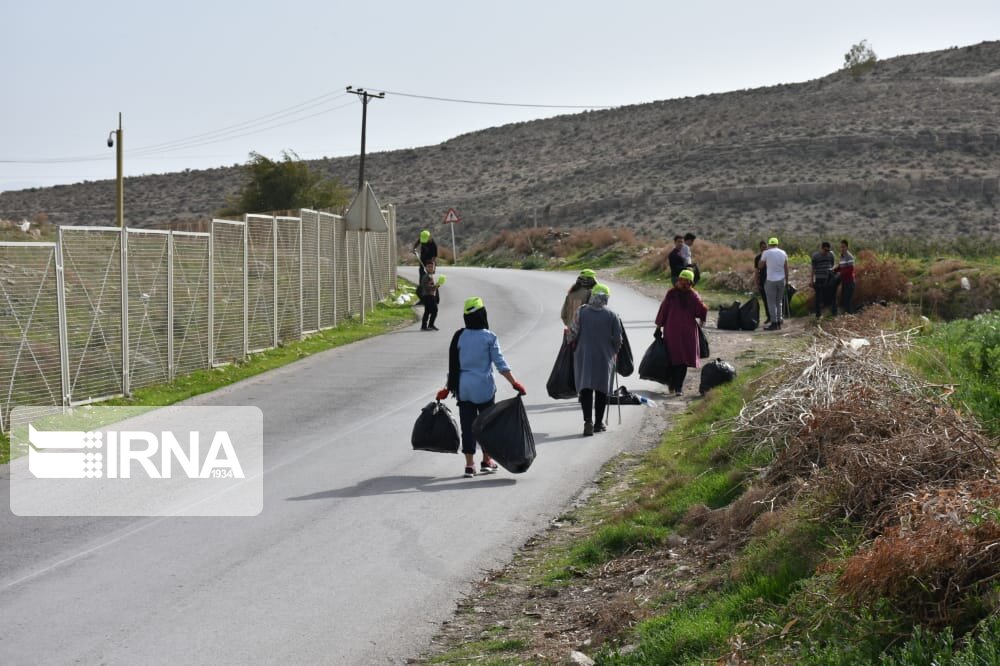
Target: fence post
<point>211,294</point>
<point>63,337</point>
<point>246,284</point>
<point>171,370</point>
<point>274,281</point>
<point>126,388</point>
<point>319,273</point>
<point>302,319</point>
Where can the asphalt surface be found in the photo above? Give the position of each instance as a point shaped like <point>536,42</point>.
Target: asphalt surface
<point>363,546</point>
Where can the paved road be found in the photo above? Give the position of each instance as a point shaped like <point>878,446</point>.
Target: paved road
<point>363,546</point>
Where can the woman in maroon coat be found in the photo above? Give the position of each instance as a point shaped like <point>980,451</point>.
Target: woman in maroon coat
<point>680,314</point>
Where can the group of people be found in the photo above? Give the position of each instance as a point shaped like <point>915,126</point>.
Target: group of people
<point>681,259</point>
<point>827,273</point>
<point>595,332</point>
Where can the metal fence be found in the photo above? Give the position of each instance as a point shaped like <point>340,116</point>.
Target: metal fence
<point>104,310</point>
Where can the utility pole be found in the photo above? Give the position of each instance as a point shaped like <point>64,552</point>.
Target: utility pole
<point>365,96</point>
<point>115,139</point>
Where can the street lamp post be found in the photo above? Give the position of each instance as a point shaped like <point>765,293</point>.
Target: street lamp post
<point>115,139</point>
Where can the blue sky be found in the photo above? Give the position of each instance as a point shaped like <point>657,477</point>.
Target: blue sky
<point>202,84</point>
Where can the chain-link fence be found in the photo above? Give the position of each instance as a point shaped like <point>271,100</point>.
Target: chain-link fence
<point>104,311</point>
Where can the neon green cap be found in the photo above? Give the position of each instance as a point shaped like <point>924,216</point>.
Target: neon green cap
<point>772,241</point>
<point>587,273</point>
<point>600,289</point>
<point>473,304</point>
<point>425,236</point>
<point>687,275</point>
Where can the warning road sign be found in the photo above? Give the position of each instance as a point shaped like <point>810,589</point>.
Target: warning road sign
<point>451,217</point>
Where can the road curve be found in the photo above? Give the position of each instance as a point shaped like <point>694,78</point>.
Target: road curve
<point>363,546</point>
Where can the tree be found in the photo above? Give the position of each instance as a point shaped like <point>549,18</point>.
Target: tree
<point>860,59</point>
<point>284,185</point>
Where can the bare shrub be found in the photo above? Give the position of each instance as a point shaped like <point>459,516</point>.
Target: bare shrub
<point>879,279</point>
<point>933,566</point>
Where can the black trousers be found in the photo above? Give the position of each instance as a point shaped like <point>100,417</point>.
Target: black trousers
<point>677,375</point>
<point>593,405</point>
<point>467,413</point>
<point>430,310</point>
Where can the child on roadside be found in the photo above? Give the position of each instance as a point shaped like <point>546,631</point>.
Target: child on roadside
<point>429,297</point>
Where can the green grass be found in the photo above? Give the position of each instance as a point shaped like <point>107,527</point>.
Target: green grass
<point>483,652</point>
<point>385,317</point>
<point>966,354</point>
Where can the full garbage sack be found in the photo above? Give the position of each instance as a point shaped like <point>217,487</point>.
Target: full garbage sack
<point>624,363</point>
<point>562,383</point>
<point>505,434</point>
<point>436,430</point>
<point>655,364</point>
<point>715,373</point>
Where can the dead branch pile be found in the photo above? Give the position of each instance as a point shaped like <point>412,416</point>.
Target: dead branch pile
<point>852,435</point>
<point>939,562</point>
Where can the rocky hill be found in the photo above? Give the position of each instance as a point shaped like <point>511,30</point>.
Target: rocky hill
<point>910,149</point>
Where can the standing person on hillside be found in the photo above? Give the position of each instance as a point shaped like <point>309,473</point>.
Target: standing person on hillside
<point>596,335</point>
<point>578,296</point>
<point>689,239</point>
<point>428,250</point>
<point>676,259</point>
<point>845,268</point>
<point>430,297</point>
<point>774,265</point>
<point>680,314</point>
<point>822,278</point>
<point>760,276</point>
<point>474,352</point>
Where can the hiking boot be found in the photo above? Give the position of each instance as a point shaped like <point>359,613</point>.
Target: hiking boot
<point>488,467</point>
<point>588,428</point>
<point>469,472</point>
<point>600,427</point>
<point>433,327</point>
<point>772,327</point>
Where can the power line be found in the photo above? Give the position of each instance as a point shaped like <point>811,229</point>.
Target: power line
<point>473,101</point>
<point>253,126</point>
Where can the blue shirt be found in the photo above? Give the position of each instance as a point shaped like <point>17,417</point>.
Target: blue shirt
<point>478,352</point>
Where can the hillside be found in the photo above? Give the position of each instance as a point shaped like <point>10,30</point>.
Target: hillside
<point>910,149</point>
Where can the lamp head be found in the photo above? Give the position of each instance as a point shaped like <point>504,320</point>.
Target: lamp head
<point>111,139</point>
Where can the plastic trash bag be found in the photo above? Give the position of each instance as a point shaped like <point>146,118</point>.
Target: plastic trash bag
<point>715,373</point>
<point>436,430</point>
<point>655,364</point>
<point>505,434</point>
<point>624,363</point>
<point>562,383</point>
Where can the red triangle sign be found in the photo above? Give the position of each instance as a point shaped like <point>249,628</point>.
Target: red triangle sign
<point>451,216</point>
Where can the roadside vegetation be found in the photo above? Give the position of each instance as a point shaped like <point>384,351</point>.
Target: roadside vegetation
<point>838,504</point>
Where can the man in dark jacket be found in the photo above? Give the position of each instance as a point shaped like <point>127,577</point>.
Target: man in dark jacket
<point>676,259</point>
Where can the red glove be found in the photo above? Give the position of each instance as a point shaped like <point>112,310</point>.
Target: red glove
<point>519,387</point>
<point>442,394</point>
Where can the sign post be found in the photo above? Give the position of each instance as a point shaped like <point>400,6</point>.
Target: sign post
<point>452,218</point>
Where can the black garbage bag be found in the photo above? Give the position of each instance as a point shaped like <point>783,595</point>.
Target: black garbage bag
<point>505,434</point>
<point>624,363</point>
<point>622,396</point>
<point>729,317</point>
<point>436,430</point>
<point>655,364</point>
<point>750,314</point>
<point>704,351</point>
<point>562,384</point>
<point>715,373</point>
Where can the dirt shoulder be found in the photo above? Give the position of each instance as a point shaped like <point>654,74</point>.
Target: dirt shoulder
<point>509,616</point>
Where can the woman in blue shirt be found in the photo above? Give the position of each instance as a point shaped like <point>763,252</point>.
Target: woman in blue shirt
<point>474,352</point>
